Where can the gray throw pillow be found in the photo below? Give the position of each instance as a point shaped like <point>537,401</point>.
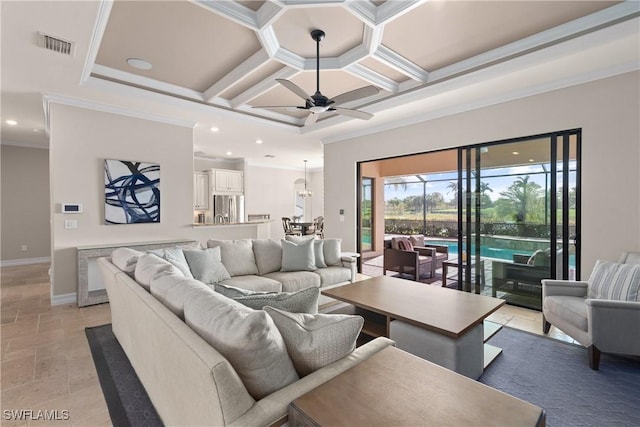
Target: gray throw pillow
<point>303,301</point>
<point>247,338</point>
<point>150,266</point>
<point>299,239</point>
<point>173,289</point>
<point>298,256</point>
<point>332,251</point>
<point>206,265</point>
<point>614,281</point>
<point>176,257</point>
<point>268,253</point>
<point>237,256</point>
<point>125,259</point>
<point>316,340</point>
<point>318,250</point>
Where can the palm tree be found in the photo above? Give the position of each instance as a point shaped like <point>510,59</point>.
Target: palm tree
<point>520,195</point>
<point>453,188</point>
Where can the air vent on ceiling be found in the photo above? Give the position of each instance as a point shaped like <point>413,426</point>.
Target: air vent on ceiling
<point>55,44</point>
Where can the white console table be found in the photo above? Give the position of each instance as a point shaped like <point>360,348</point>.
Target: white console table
<point>91,289</point>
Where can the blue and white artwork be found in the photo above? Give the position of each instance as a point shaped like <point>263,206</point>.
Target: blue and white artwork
<point>132,192</point>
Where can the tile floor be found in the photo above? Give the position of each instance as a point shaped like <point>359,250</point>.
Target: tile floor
<point>45,361</point>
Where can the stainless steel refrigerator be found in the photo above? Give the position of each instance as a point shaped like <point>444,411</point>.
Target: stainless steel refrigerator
<point>228,208</point>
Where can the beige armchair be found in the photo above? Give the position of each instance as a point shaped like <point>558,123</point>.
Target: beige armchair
<point>601,318</point>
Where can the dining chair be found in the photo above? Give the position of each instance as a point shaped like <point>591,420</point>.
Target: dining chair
<point>319,226</point>
<point>288,229</point>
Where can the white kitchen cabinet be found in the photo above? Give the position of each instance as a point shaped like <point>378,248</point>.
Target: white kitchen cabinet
<point>201,193</point>
<point>228,181</point>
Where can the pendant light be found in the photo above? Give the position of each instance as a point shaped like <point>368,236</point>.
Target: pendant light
<point>305,192</point>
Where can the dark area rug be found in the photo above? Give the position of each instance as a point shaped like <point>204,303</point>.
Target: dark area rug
<point>546,372</point>
<point>556,376</point>
<point>127,400</point>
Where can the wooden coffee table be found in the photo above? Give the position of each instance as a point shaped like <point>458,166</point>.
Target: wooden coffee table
<point>442,325</point>
<point>395,388</point>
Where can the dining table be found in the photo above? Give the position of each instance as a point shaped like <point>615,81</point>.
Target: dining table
<point>303,226</point>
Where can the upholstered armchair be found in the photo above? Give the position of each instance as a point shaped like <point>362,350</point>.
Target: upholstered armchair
<point>417,261</point>
<point>603,313</point>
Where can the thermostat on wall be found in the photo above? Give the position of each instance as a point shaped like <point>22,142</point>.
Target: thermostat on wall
<point>72,208</point>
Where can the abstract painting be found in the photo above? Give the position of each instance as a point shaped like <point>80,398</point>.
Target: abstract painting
<point>132,192</point>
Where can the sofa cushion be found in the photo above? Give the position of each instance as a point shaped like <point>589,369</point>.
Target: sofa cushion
<point>417,239</point>
<point>303,301</point>
<point>316,340</point>
<point>247,338</point>
<point>333,275</point>
<point>295,280</point>
<point>572,309</point>
<point>125,259</point>
<point>206,265</point>
<point>173,289</point>
<point>614,281</point>
<point>176,257</point>
<point>237,256</point>
<point>298,256</point>
<point>268,254</point>
<point>332,251</point>
<point>150,266</point>
<point>254,283</point>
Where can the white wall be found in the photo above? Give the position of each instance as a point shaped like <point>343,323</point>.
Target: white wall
<point>271,191</point>
<point>25,205</point>
<point>81,140</point>
<point>606,110</point>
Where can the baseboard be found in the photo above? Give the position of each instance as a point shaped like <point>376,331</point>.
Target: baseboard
<point>25,261</point>
<point>64,299</point>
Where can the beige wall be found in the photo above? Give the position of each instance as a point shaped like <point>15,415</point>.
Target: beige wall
<point>25,204</point>
<point>80,141</point>
<point>606,110</point>
<point>271,191</point>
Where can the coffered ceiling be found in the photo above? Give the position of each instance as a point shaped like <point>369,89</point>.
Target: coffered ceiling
<point>214,63</point>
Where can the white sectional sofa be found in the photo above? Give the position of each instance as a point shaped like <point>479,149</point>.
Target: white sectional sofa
<point>170,339</point>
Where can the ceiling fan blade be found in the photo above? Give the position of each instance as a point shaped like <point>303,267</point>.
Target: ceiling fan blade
<point>311,119</point>
<point>288,109</point>
<point>356,114</point>
<point>354,94</point>
<point>296,89</point>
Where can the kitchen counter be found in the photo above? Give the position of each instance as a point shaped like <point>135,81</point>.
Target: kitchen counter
<point>226,224</point>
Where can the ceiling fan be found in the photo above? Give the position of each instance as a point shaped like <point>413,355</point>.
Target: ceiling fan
<point>317,103</point>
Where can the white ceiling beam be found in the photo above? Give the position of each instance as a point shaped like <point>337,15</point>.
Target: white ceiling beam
<point>263,86</point>
<point>237,74</point>
<point>372,38</point>
<point>390,10</point>
<point>310,3</point>
<point>96,38</point>
<point>354,55</point>
<point>289,58</point>
<point>363,10</point>
<point>152,84</point>
<point>284,118</point>
<point>400,63</point>
<point>232,10</point>
<point>269,41</point>
<point>332,63</point>
<point>268,13</point>
<point>372,77</point>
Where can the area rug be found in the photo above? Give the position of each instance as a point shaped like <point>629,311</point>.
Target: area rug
<point>546,372</point>
<point>127,401</point>
<point>556,376</point>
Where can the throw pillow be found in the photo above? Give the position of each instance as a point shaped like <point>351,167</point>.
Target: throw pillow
<point>173,289</point>
<point>303,301</point>
<point>614,281</point>
<point>299,239</point>
<point>125,259</point>
<point>176,257</point>
<point>332,251</point>
<point>247,338</point>
<point>318,250</point>
<point>316,340</point>
<point>268,254</point>
<point>237,256</point>
<point>404,244</point>
<point>206,265</point>
<point>149,266</point>
<point>417,239</point>
<point>298,256</point>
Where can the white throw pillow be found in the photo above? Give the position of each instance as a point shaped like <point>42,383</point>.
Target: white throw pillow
<point>247,338</point>
<point>206,265</point>
<point>332,251</point>
<point>298,256</point>
<point>268,253</point>
<point>302,301</point>
<point>614,281</point>
<point>237,256</point>
<point>173,289</point>
<point>125,259</point>
<point>316,340</point>
<point>149,266</point>
<point>176,257</point>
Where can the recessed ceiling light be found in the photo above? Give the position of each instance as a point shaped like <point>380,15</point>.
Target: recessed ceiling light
<point>515,153</point>
<point>215,129</point>
<point>138,63</point>
<point>531,160</point>
<point>258,141</point>
<point>11,122</point>
<point>229,153</point>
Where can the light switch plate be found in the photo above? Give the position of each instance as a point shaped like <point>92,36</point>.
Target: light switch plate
<point>70,224</point>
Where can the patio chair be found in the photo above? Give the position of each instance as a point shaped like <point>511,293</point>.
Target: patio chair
<point>418,261</point>
<point>603,313</point>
